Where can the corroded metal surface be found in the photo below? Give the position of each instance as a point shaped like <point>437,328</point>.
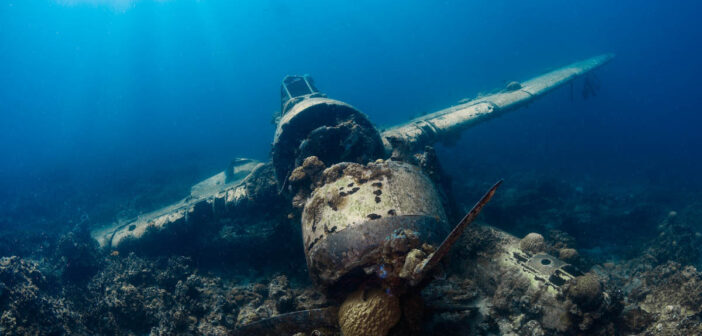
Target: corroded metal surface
<point>362,246</point>
<point>211,197</point>
<point>386,194</point>
<point>435,127</point>
<point>329,129</point>
<point>374,191</point>
<point>455,234</point>
<point>335,132</point>
<point>545,272</point>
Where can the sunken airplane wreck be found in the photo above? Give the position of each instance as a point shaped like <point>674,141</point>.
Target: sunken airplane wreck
<point>375,214</point>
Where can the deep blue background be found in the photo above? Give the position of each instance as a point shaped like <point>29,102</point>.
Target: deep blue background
<point>98,96</point>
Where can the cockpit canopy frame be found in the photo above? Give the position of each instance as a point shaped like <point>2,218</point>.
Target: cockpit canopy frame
<point>294,89</point>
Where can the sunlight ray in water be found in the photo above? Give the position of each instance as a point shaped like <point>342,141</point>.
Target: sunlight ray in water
<point>118,5</point>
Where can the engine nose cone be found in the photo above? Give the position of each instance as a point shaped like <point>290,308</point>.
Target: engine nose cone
<point>348,221</point>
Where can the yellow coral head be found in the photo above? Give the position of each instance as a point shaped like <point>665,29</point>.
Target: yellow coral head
<point>369,313</point>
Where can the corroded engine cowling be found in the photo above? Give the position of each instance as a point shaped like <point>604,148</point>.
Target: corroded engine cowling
<point>362,214</point>
<point>329,129</point>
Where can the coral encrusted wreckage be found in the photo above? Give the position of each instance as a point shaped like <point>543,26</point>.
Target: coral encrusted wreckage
<point>354,231</point>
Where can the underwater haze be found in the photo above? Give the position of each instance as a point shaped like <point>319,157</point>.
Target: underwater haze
<point>110,109</point>
<point>97,96</point>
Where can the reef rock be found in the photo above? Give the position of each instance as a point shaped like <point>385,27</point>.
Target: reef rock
<point>78,255</point>
<point>666,300</point>
<point>26,307</point>
<point>165,296</point>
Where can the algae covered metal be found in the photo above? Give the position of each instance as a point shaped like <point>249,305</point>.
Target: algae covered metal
<point>346,221</point>
<point>373,209</point>
<point>314,125</point>
<point>215,196</point>
<point>334,131</point>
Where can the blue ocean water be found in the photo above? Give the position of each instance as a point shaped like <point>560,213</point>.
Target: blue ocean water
<point>110,109</point>
<point>105,100</point>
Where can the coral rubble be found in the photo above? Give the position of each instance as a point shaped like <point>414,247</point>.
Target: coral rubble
<point>550,282</point>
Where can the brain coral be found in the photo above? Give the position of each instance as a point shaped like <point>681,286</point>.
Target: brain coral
<point>585,290</point>
<point>369,313</point>
<point>533,243</point>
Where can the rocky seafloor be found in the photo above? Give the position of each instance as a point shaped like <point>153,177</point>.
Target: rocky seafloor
<point>639,254</point>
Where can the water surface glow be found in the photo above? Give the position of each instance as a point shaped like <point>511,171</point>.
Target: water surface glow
<point>119,5</point>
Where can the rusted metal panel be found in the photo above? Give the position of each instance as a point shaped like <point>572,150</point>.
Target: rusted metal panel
<point>445,246</point>
<point>362,246</point>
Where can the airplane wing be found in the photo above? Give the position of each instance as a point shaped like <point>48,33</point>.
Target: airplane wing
<point>246,182</point>
<point>440,125</point>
